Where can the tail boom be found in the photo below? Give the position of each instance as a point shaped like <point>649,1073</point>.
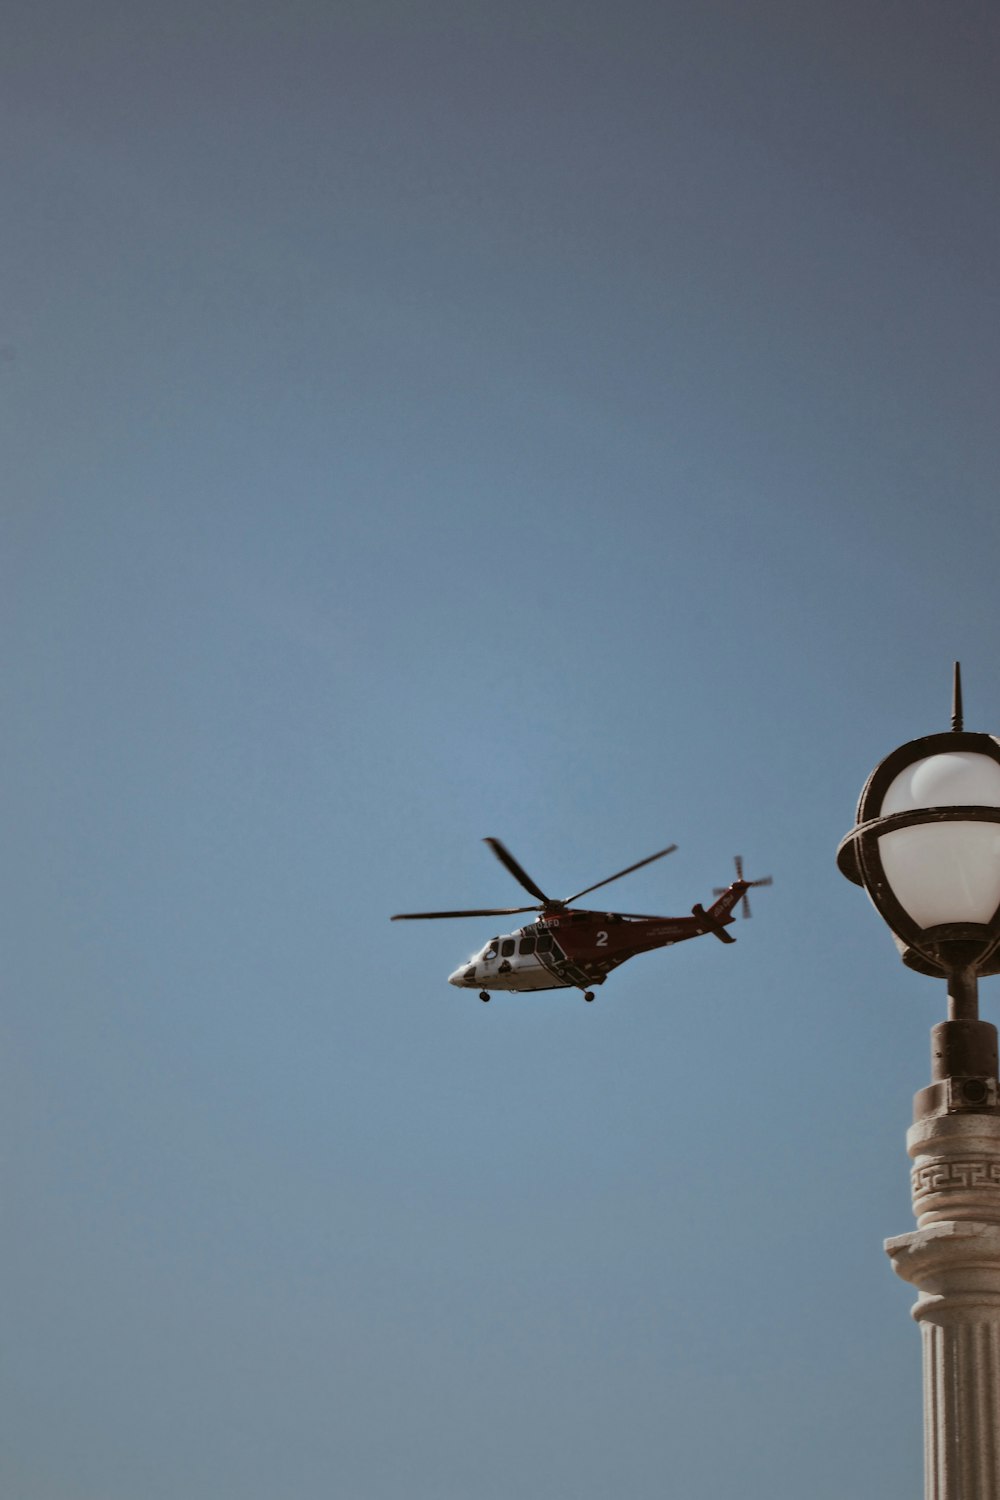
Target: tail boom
<point>717,915</point>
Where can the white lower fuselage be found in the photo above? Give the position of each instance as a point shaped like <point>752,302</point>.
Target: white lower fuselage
<point>502,965</point>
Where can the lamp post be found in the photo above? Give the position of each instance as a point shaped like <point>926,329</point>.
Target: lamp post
<point>926,848</point>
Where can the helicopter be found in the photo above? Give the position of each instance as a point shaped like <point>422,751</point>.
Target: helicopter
<point>567,948</point>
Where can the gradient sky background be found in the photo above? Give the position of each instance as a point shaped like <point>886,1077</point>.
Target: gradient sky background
<point>569,422</point>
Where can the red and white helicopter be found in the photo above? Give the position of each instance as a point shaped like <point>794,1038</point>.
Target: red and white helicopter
<point>567,948</point>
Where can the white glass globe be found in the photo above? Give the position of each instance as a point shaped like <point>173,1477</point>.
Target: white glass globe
<point>945,872</point>
<point>955,779</point>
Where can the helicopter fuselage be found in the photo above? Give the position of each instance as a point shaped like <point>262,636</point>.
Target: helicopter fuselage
<point>576,949</point>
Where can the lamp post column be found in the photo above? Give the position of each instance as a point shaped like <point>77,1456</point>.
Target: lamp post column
<point>926,848</point>
<point>953,1259</point>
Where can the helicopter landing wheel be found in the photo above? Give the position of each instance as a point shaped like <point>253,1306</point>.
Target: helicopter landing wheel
<point>484,996</point>
<point>588,994</point>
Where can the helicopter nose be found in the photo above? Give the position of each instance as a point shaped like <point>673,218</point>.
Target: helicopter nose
<point>456,978</point>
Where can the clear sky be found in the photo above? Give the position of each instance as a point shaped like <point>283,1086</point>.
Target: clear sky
<point>569,422</point>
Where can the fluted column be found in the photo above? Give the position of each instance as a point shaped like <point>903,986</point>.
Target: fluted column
<point>953,1258</point>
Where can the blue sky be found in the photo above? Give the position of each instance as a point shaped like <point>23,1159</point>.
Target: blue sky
<point>569,423</point>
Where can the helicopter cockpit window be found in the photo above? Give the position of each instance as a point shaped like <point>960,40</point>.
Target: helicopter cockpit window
<point>507,947</point>
<point>491,948</point>
<point>527,945</point>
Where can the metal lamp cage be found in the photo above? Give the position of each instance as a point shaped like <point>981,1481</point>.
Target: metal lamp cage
<point>943,949</point>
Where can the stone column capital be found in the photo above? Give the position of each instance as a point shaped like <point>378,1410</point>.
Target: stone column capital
<point>956,1268</point>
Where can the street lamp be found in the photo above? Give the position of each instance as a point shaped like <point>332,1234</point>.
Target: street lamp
<point>926,848</point>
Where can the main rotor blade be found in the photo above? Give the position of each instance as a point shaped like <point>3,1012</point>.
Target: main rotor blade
<point>638,866</point>
<point>482,911</point>
<point>641,916</point>
<point>521,876</point>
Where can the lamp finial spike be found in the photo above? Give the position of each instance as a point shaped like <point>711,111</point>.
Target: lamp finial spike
<point>956,699</point>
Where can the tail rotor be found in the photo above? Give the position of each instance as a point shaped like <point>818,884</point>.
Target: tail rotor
<point>746,884</point>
